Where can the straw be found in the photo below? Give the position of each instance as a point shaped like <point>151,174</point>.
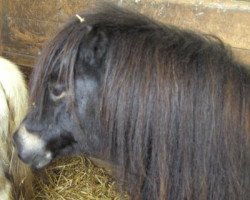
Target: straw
<point>75,178</point>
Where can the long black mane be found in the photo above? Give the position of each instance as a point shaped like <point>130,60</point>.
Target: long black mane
<point>174,104</point>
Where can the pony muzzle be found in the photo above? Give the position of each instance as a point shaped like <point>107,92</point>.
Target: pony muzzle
<point>31,148</point>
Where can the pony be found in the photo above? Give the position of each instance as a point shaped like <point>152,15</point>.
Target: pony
<point>169,107</point>
<point>15,177</point>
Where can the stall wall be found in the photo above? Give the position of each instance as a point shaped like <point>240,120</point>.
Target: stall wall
<point>27,25</point>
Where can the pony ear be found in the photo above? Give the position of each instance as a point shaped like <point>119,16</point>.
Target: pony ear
<point>93,47</point>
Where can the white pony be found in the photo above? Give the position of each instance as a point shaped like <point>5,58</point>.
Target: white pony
<point>15,177</point>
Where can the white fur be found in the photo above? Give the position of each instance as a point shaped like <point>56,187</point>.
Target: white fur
<point>13,107</point>
<point>32,142</point>
<point>15,89</point>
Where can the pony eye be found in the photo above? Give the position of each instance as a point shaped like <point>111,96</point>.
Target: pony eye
<point>57,92</point>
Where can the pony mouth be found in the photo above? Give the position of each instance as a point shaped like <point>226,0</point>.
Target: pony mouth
<point>40,165</point>
<point>40,161</point>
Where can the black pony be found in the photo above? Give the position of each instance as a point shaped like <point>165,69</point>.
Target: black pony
<point>170,107</point>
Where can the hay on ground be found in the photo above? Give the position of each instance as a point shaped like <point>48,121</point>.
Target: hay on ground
<point>75,178</point>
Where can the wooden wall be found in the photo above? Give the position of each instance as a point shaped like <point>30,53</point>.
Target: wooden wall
<point>26,25</point>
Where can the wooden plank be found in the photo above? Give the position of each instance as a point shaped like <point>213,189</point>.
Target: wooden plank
<point>242,55</point>
<point>70,8</point>
<point>26,36</point>
<point>26,72</point>
<point>19,59</point>
<point>45,10</point>
<point>28,25</point>
<point>40,10</point>
<point>229,20</point>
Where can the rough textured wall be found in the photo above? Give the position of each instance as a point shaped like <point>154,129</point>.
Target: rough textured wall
<point>26,25</point>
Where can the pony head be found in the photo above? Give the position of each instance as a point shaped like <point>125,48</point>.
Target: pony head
<point>65,96</point>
